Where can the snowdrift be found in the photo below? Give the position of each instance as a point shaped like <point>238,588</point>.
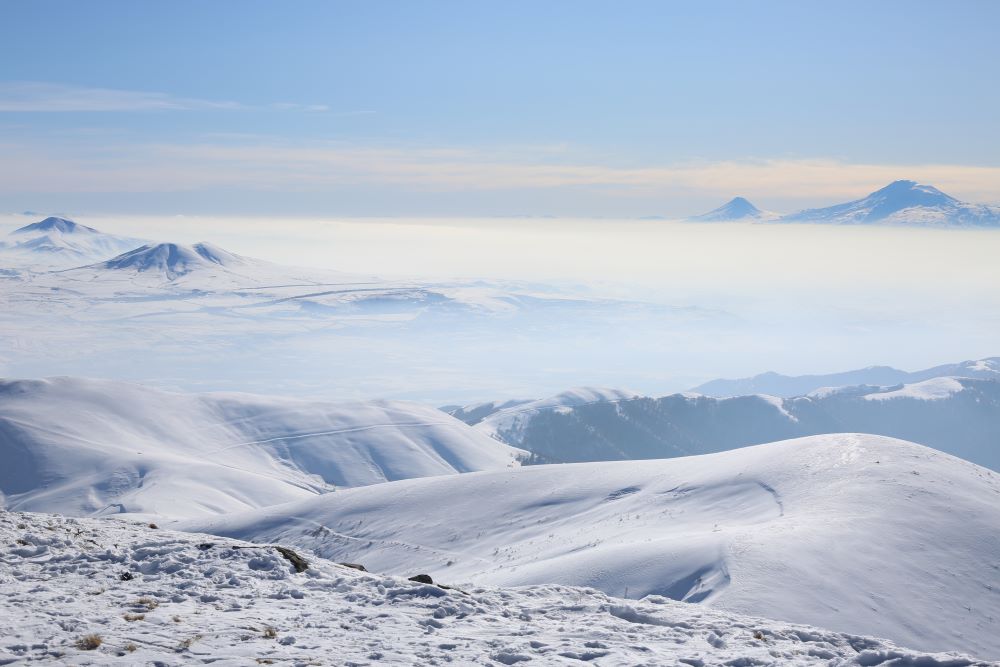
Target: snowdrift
<point>82,447</point>
<point>857,533</point>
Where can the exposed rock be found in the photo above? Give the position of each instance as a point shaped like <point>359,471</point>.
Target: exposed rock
<point>354,566</point>
<point>298,562</point>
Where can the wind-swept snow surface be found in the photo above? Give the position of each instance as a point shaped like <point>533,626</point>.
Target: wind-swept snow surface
<point>857,533</point>
<point>81,447</point>
<point>85,592</point>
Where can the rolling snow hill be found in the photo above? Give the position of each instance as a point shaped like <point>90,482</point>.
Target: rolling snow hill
<point>787,386</point>
<point>60,242</point>
<point>172,260</point>
<point>960,416</point>
<point>83,447</point>
<point>903,202</point>
<point>736,208</point>
<point>195,599</point>
<point>857,533</point>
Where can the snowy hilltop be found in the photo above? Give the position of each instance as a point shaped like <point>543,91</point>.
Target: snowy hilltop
<point>855,533</point>
<point>173,259</point>
<point>93,592</point>
<point>737,208</point>
<point>903,202</point>
<point>59,242</point>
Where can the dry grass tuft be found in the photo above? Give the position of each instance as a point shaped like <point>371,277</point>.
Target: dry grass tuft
<point>186,644</point>
<point>134,617</point>
<point>89,642</point>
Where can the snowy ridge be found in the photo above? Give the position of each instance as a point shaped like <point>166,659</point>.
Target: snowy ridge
<point>789,386</point>
<point>935,389</point>
<point>954,414</point>
<point>475,412</point>
<point>903,202</point>
<point>506,423</point>
<point>82,447</point>
<point>850,532</point>
<point>192,599</point>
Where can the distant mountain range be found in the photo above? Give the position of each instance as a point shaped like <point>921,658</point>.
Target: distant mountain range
<point>900,202</point>
<point>787,386</point>
<point>60,242</point>
<point>956,414</point>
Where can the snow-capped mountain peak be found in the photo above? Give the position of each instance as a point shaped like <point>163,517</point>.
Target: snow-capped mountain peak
<point>737,208</point>
<point>55,224</point>
<point>903,202</point>
<point>173,259</point>
<point>60,242</point>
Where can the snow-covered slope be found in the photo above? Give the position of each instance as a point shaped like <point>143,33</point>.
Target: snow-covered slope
<point>81,447</point>
<point>736,208</point>
<point>475,413</point>
<point>903,202</point>
<point>196,599</point>
<point>960,416</point>
<point>787,386</point>
<point>171,260</point>
<point>58,242</point>
<point>857,533</point>
<point>507,421</point>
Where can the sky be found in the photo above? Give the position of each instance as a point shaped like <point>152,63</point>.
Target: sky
<point>402,109</point>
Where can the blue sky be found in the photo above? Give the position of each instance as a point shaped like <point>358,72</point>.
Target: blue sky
<point>491,108</point>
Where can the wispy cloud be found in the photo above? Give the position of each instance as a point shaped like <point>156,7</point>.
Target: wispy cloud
<point>35,96</point>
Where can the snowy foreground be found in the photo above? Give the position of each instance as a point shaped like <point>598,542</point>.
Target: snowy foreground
<point>852,532</point>
<point>97,592</point>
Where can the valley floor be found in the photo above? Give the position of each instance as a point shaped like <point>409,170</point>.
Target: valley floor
<point>96,592</point>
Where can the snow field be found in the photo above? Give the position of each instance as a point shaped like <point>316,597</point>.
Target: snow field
<point>196,599</point>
